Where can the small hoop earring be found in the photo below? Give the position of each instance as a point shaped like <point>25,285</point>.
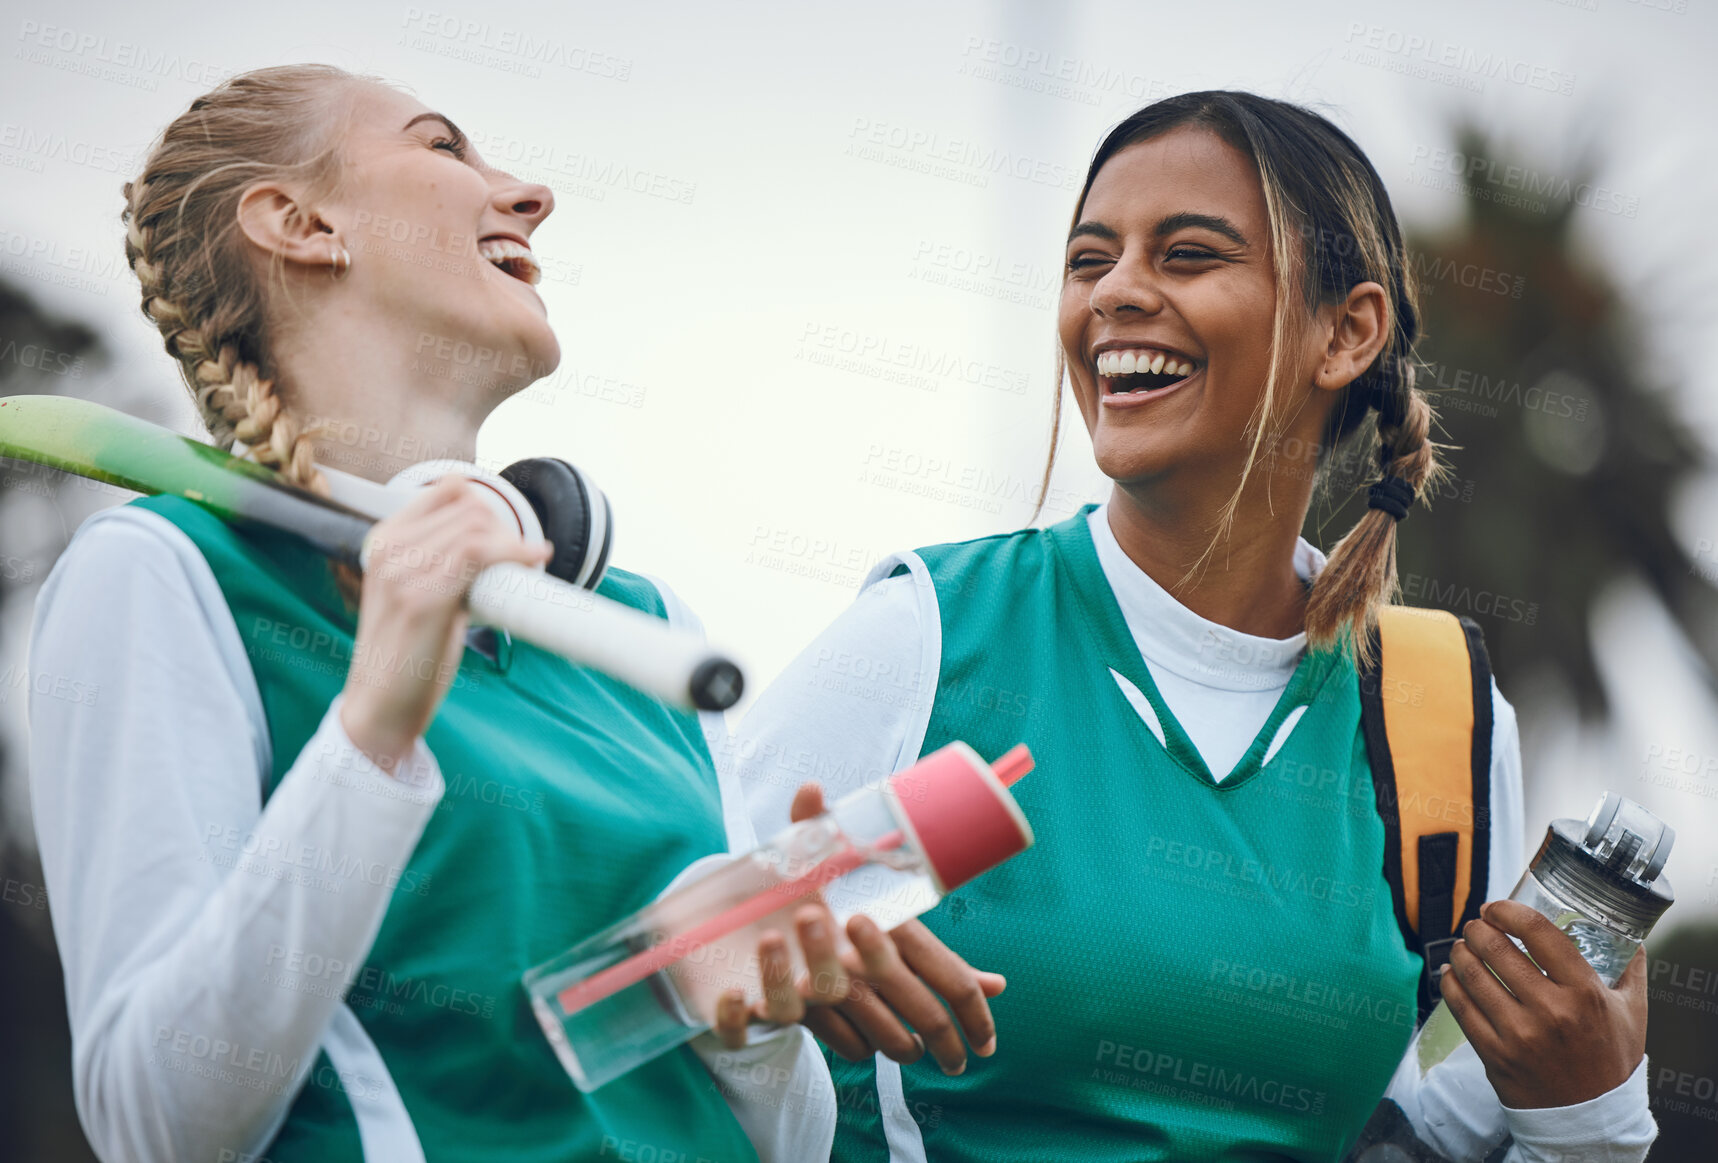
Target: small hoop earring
<point>342,261</point>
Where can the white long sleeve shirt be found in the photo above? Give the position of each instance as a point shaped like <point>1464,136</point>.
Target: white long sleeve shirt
<point>197,941</point>
<point>855,705</point>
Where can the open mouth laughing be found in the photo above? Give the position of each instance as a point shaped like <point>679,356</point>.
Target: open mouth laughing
<point>512,257</point>
<point>1143,370</point>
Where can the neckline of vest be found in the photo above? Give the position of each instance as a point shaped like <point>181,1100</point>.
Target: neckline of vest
<point>494,646</point>
<point>1106,628</point>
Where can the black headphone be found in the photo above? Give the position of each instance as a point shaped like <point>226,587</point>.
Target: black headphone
<point>546,497</point>
<point>574,513</point>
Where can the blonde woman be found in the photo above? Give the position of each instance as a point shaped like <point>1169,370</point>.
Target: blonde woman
<point>1203,957</point>
<point>314,829</point>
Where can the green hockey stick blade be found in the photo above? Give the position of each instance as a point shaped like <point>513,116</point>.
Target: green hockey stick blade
<point>104,444</point>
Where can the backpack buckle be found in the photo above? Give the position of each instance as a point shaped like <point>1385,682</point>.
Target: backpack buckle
<point>1438,954</point>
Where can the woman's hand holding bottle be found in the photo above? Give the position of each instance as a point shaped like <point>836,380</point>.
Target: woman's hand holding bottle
<point>1555,1036</point>
<point>873,996</point>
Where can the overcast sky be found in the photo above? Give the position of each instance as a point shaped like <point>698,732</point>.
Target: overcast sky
<point>762,209</point>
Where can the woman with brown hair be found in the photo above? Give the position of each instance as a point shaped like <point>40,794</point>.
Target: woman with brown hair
<point>1203,957</point>
<point>314,829</point>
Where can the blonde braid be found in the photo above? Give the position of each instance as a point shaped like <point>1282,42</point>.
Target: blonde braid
<point>192,263</point>
<point>234,400</point>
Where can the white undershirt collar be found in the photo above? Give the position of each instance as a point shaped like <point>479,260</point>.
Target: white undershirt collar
<point>1176,639</point>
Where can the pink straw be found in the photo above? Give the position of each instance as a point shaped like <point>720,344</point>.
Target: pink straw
<point>641,965</point>
<point>1016,762</point>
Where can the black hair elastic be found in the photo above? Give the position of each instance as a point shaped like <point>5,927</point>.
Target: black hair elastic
<point>1391,494</point>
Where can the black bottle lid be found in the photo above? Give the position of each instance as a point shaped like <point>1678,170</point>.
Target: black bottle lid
<point>1610,865</point>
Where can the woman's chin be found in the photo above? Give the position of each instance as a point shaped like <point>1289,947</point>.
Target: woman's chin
<point>544,350</point>
<point>1131,459</point>
<point>535,344</point>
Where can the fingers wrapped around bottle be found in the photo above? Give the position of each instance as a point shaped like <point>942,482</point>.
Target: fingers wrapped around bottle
<point>900,992</point>
<point>787,998</point>
<point>1547,1028</point>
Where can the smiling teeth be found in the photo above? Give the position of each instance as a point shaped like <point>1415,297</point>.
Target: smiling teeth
<point>512,258</point>
<point>1140,362</point>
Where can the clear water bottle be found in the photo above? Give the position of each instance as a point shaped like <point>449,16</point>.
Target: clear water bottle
<point>1600,882</point>
<point>650,982</point>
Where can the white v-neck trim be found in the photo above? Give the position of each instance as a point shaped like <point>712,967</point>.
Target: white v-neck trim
<point>1141,705</point>
<point>1221,685</point>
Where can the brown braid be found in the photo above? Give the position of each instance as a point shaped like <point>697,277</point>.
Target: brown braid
<point>1360,574</point>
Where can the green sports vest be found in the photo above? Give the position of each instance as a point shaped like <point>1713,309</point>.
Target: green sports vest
<point>1196,970</point>
<point>571,800</point>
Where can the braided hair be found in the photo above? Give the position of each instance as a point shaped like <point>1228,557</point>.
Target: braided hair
<point>1332,228</point>
<point>198,286</point>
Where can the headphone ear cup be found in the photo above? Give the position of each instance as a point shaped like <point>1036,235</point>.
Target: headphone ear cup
<point>574,513</point>
<point>503,496</point>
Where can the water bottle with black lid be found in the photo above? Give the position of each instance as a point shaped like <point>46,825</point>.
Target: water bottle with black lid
<point>1600,881</point>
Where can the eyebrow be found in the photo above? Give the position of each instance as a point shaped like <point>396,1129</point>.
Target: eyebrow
<point>451,127</point>
<point>1182,221</point>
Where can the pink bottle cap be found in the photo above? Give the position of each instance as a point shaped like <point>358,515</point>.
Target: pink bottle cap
<point>960,813</point>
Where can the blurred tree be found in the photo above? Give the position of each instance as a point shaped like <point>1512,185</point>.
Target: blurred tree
<point>37,1118</point>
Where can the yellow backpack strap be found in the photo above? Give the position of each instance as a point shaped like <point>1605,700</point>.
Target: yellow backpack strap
<point>1426,713</point>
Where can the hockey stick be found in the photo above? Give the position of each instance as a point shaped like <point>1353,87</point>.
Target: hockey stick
<point>104,444</point>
